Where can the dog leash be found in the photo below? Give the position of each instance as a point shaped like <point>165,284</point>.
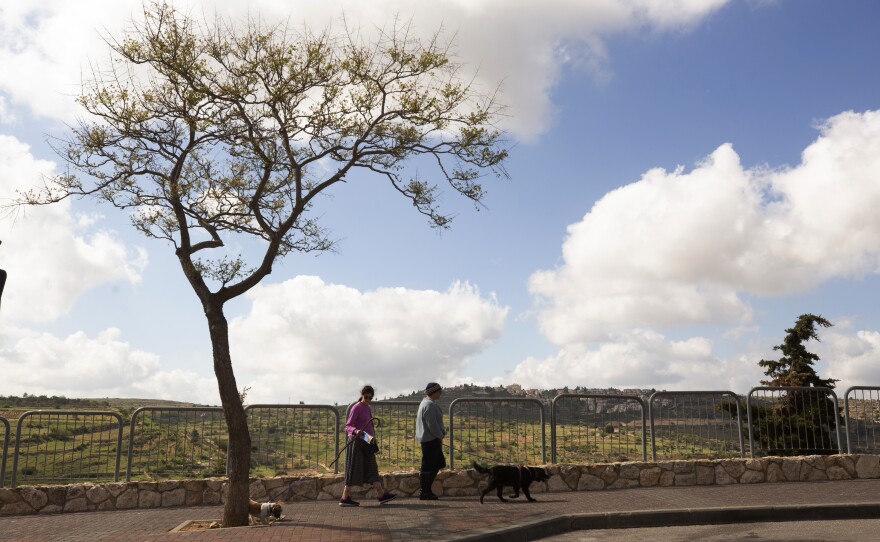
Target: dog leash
<point>351,441</point>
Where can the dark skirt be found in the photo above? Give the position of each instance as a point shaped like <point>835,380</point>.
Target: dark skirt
<point>432,456</point>
<point>360,464</point>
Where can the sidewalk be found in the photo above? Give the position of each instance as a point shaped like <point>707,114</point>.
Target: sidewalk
<point>463,518</point>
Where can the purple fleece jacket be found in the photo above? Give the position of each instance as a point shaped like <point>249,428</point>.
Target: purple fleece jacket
<point>359,418</point>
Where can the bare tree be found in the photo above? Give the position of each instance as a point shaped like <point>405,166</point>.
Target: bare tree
<point>204,130</point>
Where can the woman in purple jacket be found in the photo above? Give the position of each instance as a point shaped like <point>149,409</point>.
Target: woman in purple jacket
<point>360,461</point>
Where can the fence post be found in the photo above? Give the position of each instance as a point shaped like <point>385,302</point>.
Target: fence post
<point>5,423</point>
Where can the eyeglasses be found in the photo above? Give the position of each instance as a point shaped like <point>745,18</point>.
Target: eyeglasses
<point>368,396</point>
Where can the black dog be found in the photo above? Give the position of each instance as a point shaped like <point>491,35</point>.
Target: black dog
<point>511,475</point>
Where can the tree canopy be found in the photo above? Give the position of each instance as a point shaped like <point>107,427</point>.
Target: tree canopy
<point>795,367</point>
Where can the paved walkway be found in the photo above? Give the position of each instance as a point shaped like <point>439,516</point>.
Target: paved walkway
<point>463,518</point>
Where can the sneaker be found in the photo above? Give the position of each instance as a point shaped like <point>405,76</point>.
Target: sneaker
<point>428,497</point>
<point>387,497</point>
<point>348,501</point>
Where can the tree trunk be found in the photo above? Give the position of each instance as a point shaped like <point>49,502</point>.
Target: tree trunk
<point>238,450</point>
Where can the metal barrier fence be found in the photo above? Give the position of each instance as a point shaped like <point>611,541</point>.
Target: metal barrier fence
<point>177,441</point>
<point>597,427</point>
<point>61,445</point>
<point>862,419</point>
<point>793,420</point>
<point>5,452</point>
<point>55,445</point>
<point>497,430</point>
<point>288,439</point>
<point>695,424</point>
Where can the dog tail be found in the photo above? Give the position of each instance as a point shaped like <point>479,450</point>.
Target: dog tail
<point>480,468</point>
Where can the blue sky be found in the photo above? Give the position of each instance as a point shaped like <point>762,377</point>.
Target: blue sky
<point>686,179</point>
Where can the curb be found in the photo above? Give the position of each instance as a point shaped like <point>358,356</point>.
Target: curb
<point>536,530</point>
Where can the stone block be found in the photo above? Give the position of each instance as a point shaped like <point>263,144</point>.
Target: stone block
<point>175,497</point>
<point>194,485</point>
<point>682,467</point>
<point>106,505</point>
<point>751,476</point>
<point>127,499</point>
<point>409,485</point>
<point>847,464</point>
<point>75,492</point>
<point>722,477</point>
<point>734,467</point>
<point>215,485</point>
<point>257,491</point>
<point>34,497</point>
<point>149,499</point>
<point>812,474</point>
<point>193,498</point>
<point>629,471</point>
<point>458,479</point>
<point>209,497</point>
<point>570,475</point>
<point>588,482</point>
<point>272,483</point>
<point>705,474</point>
<point>835,472</point>
<point>97,494</point>
<point>116,488</point>
<point>19,508</point>
<point>168,485</point>
<point>774,473</point>
<point>868,466</point>
<point>685,479</point>
<point>815,461</point>
<point>755,464</point>
<point>57,495</point>
<point>667,479</point>
<point>9,496</point>
<point>791,468</point>
<point>650,476</point>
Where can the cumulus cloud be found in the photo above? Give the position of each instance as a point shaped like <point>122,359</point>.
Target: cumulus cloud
<point>35,240</point>
<point>640,359</point>
<point>677,248</point>
<point>682,248</point>
<point>101,366</point>
<point>310,341</point>
<point>852,358</point>
<point>522,43</point>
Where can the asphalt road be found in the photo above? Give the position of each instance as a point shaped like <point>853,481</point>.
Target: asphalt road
<point>814,531</point>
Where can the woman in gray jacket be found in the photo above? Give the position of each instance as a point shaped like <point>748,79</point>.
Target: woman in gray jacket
<point>430,432</point>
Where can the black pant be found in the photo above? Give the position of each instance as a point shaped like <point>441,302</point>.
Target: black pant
<point>432,456</point>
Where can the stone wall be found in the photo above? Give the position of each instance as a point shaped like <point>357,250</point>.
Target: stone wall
<point>589,477</point>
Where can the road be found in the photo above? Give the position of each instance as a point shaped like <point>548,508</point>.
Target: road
<point>813,531</point>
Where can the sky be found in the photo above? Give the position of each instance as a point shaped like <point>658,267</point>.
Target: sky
<point>686,178</point>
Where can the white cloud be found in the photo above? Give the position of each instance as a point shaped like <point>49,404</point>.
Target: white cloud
<point>681,248</point>
<point>81,366</point>
<point>639,359</point>
<point>854,359</point>
<point>318,342</point>
<point>61,255</point>
<point>524,43</point>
